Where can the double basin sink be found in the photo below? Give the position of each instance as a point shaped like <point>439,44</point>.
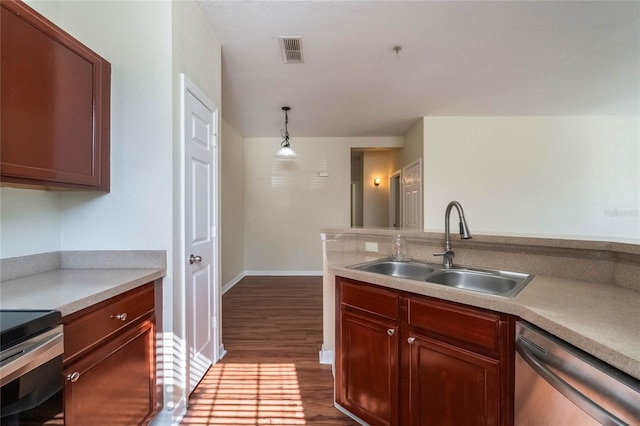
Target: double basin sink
<point>489,281</point>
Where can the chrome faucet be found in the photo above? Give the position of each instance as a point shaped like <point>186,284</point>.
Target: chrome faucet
<point>447,261</point>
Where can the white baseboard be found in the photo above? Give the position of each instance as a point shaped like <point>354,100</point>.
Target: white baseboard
<point>326,356</point>
<point>164,418</point>
<point>283,273</point>
<point>175,416</point>
<point>221,352</point>
<point>180,411</point>
<point>233,282</point>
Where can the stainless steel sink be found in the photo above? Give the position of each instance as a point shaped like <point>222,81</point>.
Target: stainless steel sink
<point>411,270</point>
<point>489,281</point>
<point>500,283</point>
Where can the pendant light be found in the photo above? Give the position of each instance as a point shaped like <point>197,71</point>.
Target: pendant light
<point>286,152</point>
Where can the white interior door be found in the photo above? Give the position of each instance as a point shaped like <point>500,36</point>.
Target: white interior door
<point>412,196</point>
<point>200,127</point>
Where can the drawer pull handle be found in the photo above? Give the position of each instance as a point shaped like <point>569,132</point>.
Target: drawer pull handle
<point>391,332</point>
<point>73,377</point>
<point>121,317</point>
<point>410,340</point>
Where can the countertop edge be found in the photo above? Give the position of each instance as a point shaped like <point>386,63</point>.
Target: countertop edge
<point>71,290</point>
<point>516,306</point>
<point>117,289</point>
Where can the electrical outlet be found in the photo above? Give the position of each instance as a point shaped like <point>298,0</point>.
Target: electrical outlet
<point>371,247</point>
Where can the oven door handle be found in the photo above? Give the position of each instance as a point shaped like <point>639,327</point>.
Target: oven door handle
<point>31,354</point>
<point>571,393</point>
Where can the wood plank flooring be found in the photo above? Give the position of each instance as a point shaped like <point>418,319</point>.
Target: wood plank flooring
<point>272,331</point>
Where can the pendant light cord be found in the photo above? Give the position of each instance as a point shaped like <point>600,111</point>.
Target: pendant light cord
<point>285,132</point>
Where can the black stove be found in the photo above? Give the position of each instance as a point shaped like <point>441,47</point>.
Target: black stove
<point>31,348</point>
<point>19,325</point>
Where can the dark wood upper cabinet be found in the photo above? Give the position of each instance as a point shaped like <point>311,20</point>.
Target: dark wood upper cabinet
<point>55,106</point>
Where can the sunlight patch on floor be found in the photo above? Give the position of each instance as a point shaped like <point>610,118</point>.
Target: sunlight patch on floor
<point>247,394</point>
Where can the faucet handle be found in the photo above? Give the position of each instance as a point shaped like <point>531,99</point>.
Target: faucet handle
<point>447,262</point>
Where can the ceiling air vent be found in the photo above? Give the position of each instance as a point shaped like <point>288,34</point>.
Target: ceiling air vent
<point>291,48</point>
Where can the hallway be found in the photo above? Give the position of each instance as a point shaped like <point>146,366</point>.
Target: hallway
<point>272,331</point>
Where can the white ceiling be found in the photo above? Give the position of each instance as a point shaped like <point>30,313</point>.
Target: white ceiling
<point>457,58</point>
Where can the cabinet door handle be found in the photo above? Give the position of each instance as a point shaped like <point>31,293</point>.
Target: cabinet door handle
<point>73,377</point>
<point>121,317</point>
<point>391,331</point>
<point>410,340</point>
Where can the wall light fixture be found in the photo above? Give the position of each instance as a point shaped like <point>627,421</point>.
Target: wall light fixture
<point>376,181</point>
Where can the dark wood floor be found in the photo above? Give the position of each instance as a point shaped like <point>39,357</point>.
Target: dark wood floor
<point>272,331</point>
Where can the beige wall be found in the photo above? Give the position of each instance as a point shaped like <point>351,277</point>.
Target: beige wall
<point>287,202</point>
<point>570,177</point>
<point>412,149</point>
<point>233,209</point>
<point>375,198</point>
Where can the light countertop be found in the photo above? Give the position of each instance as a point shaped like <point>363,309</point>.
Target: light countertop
<point>601,319</point>
<point>70,290</point>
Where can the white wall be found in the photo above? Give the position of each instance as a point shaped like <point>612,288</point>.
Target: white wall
<point>148,44</point>
<point>128,217</point>
<point>29,222</point>
<point>286,202</point>
<point>569,177</point>
<point>233,210</point>
<point>138,209</point>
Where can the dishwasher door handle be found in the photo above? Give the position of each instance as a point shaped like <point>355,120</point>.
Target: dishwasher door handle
<point>571,393</point>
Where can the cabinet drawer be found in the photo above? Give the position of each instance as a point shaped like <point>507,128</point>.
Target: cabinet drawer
<point>86,328</point>
<point>369,299</point>
<point>467,327</point>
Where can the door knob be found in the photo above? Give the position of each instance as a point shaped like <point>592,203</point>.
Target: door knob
<point>195,259</point>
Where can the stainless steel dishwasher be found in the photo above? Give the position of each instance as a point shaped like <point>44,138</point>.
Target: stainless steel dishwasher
<point>558,384</point>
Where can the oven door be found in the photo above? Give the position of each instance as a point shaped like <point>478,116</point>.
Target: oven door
<point>31,380</point>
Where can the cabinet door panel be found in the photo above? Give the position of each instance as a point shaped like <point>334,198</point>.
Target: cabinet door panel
<point>55,101</point>
<point>452,386</point>
<point>116,382</point>
<point>367,377</point>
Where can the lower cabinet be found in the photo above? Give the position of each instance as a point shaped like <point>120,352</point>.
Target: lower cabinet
<point>449,385</point>
<point>109,362</point>
<point>371,381</point>
<point>435,363</point>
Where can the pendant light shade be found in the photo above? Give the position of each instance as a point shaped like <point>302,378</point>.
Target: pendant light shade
<point>286,152</point>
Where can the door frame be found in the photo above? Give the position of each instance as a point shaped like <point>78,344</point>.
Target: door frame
<point>395,200</point>
<point>403,183</point>
<point>187,86</point>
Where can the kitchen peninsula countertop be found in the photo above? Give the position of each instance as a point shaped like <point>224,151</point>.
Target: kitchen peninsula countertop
<point>600,319</point>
